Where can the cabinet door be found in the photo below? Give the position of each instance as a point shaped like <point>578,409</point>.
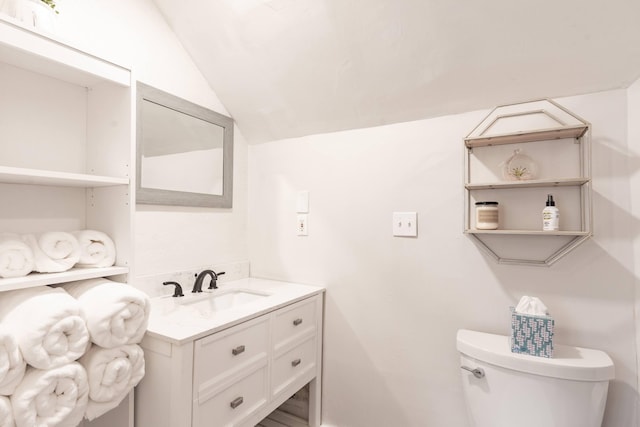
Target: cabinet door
<point>296,366</point>
<point>294,323</point>
<point>224,355</point>
<point>229,406</point>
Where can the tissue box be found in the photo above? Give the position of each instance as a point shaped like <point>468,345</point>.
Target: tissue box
<point>531,334</point>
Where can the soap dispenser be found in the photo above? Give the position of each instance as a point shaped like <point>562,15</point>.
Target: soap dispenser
<point>550,215</point>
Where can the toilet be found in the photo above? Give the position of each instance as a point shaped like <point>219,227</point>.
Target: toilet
<point>503,389</point>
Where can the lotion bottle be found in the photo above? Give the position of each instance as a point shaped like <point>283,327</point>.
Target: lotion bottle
<point>550,215</point>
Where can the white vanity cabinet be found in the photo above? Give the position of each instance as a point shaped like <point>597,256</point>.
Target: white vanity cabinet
<point>66,152</point>
<point>235,376</point>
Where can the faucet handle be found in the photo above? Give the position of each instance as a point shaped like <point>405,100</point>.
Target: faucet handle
<point>214,279</point>
<point>177,292</point>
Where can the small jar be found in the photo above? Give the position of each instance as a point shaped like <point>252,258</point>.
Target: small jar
<point>487,215</point>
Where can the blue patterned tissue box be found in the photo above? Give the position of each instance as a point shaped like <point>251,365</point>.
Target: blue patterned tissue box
<point>531,334</point>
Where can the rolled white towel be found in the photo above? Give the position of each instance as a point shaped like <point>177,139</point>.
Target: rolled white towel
<point>48,325</point>
<point>6,413</point>
<point>115,313</point>
<point>51,397</point>
<point>96,249</point>
<point>112,373</point>
<point>16,257</point>
<point>54,251</point>
<point>12,365</point>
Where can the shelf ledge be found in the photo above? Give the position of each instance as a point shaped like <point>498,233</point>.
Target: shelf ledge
<point>43,279</point>
<point>25,48</point>
<point>563,182</point>
<point>530,136</point>
<point>11,175</point>
<point>530,232</point>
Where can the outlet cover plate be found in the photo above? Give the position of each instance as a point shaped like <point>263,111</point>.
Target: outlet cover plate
<point>302,225</point>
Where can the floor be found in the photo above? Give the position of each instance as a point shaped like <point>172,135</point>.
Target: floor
<point>292,413</point>
<point>279,418</point>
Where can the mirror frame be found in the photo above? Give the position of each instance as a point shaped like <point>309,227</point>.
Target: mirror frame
<point>155,196</point>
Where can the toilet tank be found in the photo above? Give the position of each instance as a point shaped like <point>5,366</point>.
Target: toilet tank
<point>509,389</point>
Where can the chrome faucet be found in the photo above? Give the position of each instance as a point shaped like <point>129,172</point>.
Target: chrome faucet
<point>197,285</point>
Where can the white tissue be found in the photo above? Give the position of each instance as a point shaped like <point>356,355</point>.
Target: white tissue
<point>532,306</point>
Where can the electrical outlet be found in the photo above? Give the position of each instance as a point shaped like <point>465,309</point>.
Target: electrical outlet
<point>405,224</point>
<point>303,225</point>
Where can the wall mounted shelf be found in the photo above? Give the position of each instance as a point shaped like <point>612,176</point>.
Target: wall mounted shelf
<point>561,146</point>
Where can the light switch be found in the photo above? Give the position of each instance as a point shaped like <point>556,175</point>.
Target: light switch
<point>405,224</point>
<point>302,203</point>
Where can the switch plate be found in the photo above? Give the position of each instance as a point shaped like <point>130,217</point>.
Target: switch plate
<point>302,225</point>
<point>405,224</point>
<point>302,203</point>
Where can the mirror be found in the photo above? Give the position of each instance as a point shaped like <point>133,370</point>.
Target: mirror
<point>184,152</point>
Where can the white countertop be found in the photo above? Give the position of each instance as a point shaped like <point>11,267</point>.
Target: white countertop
<point>174,320</point>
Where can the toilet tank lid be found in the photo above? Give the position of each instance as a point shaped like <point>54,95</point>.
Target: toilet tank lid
<point>571,363</point>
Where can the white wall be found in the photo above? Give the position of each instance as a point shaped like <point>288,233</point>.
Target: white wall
<point>393,305</point>
<point>134,33</point>
<point>634,174</point>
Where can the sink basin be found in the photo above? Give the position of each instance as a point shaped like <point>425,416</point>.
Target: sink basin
<point>211,302</point>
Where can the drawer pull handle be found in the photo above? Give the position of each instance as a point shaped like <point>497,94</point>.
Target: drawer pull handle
<point>297,322</point>
<point>296,362</point>
<point>236,402</point>
<point>239,349</point>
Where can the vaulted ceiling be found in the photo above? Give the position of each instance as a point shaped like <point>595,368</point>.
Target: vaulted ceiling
<point>287,68</point>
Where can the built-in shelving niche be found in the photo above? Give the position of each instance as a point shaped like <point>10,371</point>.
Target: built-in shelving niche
<point>66,154</point>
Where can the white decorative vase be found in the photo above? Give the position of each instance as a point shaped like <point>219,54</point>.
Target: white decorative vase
<point>519,167</point>
<point>33,13</point>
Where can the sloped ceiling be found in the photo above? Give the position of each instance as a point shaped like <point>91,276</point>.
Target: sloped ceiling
<point>287,68</point>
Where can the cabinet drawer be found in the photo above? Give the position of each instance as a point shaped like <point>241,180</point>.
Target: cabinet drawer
<point>297,363</point>
<point>226,353</point>
<point>221,407</point>
<point>294,323</point>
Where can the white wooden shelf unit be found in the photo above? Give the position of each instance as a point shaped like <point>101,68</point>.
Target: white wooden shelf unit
<point>66,151</point>
<point>66,154</point>
<point>559,142</point>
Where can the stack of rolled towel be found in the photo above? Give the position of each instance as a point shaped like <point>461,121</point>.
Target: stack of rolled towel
<point>116,322</point>
<point>69,352</point>
<point>54,251</point>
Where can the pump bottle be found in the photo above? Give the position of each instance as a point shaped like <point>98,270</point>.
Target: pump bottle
<point>550,215</point>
